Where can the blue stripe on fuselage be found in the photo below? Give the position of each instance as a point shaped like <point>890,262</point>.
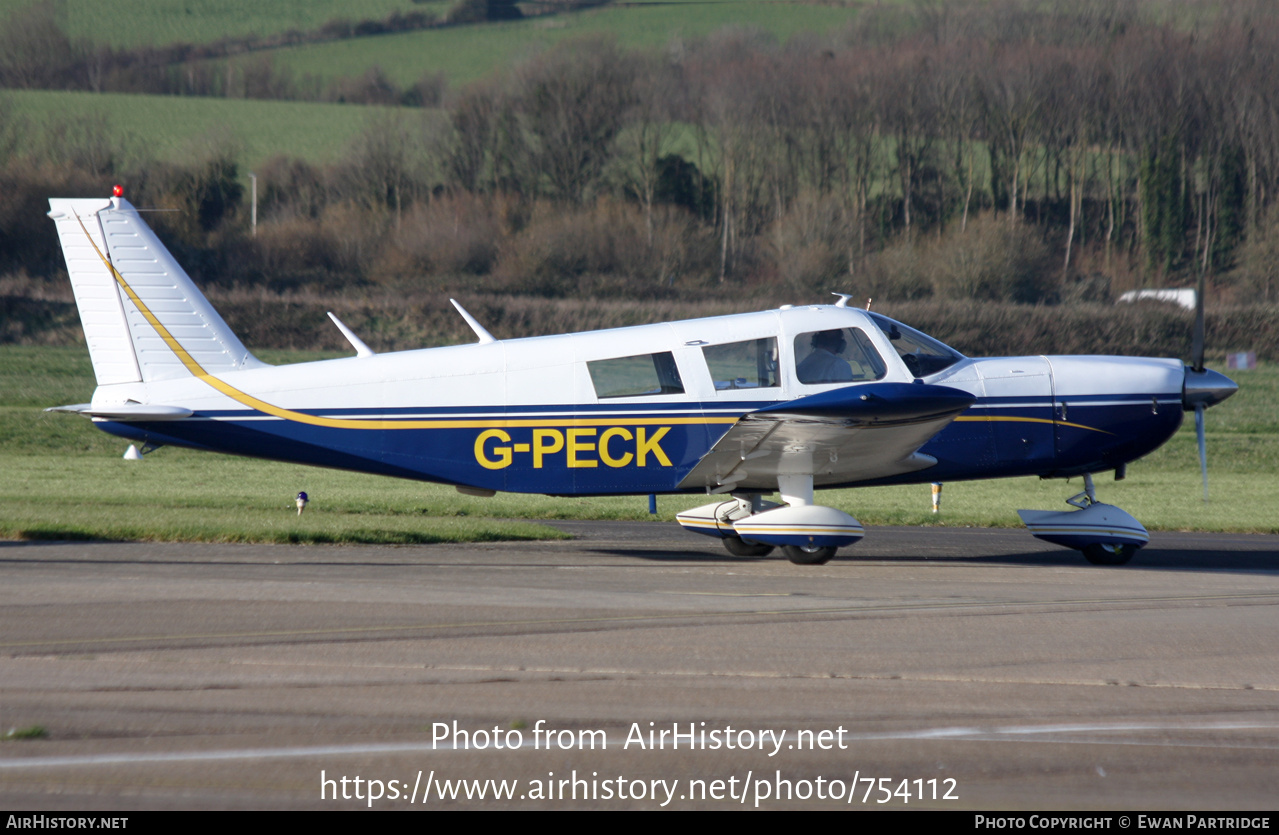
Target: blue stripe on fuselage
<point>997,437</point>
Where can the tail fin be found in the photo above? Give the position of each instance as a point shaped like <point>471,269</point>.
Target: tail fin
<point>143,317</point>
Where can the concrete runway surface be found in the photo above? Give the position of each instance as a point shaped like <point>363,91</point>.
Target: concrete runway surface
<point>942,668</point>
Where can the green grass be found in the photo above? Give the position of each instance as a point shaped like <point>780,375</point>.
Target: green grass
<point>467,53</point>
<point>178,128</point>
<point>1163,500</point>
<point>66,480</point>
<point>182,498</point>
<point>131,23</point>
<point>464,53</point>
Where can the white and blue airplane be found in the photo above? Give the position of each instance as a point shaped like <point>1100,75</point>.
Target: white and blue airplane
<point>737,407</point>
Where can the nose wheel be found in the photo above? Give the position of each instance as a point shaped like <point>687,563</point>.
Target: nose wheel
<point>808,554</point>
<point>1105,534</point>
<point>1109,554</point>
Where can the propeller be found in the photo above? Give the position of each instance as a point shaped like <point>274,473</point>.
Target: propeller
<point>1203,388</point>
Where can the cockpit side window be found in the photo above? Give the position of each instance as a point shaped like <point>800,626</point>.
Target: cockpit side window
<point>922,354</point>
<point>841,355</point>
<point>637,376</point>
<point>743,365</point>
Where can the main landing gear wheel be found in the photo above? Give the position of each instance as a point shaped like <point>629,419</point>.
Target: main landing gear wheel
<point>739,547</point>
<point>808,554</point>
<point>1100,554</point>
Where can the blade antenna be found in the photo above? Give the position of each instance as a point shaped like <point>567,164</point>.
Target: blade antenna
<point>484,335</point>
<point>361,350</point>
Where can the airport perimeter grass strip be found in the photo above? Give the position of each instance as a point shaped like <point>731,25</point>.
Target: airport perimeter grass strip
<point>64,479</point>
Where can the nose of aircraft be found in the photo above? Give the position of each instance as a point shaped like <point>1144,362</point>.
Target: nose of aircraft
<point>1206,388</point>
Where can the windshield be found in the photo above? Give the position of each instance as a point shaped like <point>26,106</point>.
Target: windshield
<point>922,354</point>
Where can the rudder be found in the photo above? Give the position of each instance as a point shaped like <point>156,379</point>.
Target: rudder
<point>144,319</point>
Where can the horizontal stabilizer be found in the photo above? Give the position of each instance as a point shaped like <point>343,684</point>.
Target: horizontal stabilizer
<point>126,411</point>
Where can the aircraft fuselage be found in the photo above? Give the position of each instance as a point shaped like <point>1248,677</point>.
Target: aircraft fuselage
<point>634,410</point>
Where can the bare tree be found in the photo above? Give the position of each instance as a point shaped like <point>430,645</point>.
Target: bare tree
<point>1011,108</point>
<point>572,104</point>
<point>383,169</point>
<point>640,146</point>
<point>727,111</point>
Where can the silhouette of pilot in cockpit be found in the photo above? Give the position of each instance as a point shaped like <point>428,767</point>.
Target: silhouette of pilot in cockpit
<point>824,365</point>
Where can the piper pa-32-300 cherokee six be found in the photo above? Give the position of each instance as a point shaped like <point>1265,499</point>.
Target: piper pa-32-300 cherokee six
<point>735,406</point>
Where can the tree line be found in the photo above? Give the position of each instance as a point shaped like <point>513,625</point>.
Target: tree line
<point>1031,152</point>
<point>1092,123</point>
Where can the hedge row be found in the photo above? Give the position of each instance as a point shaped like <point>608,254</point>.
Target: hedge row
<point>397,323</point>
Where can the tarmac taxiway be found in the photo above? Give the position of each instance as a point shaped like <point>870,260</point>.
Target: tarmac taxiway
<point>231,676</point>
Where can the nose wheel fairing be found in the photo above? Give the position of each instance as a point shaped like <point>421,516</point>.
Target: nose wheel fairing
<point>1097,524</point>
<point>1104,533</point>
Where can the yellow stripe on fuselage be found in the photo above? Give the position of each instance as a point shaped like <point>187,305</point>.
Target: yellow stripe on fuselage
<point>245,399</point>
<point>993,419</point>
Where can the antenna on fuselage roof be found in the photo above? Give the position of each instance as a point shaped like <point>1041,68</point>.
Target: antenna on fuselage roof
<point>484,335</point>
<point>843,299</point>
<point>361,350</point>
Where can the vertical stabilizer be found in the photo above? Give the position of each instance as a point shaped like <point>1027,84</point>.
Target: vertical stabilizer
<point>143,317</point>
<point>101,312</point>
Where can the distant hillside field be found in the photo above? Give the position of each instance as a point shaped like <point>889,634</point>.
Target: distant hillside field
<point>174,127</point>
<point>132,23</point>
<point>463,53</point>
<point>466,53</point>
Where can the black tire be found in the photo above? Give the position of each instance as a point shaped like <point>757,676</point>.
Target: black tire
<point>1101,554</point>
<point>808,554</point>
<point>739,547</point>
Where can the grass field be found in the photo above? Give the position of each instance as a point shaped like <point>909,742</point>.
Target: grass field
<point>466,53</point>
<point>132,23</point>
<point>463,53</point>
<point>64,479</point>
<point>178,128</point>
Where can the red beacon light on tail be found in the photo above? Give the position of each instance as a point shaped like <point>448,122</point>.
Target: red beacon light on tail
<point>117,191</point>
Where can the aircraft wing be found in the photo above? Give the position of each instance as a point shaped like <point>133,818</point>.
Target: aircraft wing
<point>854,433</point>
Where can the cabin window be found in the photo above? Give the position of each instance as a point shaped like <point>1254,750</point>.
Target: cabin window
<point>839,355</point>
<point>922,354</point>
<point>646,374</point>
<point>743,365</point>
